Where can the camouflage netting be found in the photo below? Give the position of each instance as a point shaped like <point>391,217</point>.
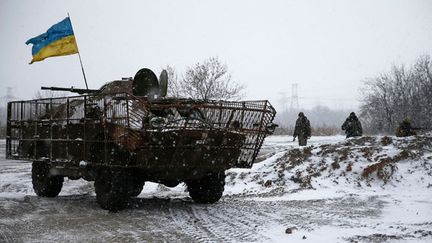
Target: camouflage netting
<point>117,86</point>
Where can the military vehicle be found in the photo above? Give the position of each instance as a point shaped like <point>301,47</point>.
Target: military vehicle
<point>128,132</point>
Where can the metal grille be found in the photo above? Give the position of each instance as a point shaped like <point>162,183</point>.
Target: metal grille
<point>70,122</point>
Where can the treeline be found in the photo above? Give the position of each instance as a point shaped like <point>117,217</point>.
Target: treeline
<point>403,92</point>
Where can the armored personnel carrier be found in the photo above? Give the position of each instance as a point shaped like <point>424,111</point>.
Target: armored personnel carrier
<point>129,132</point>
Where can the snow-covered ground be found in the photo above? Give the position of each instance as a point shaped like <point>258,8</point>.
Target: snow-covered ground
<point>369,189</point>
<point>392,176</point>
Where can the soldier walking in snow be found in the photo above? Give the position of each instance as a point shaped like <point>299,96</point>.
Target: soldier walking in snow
<point>405,129</point>
<point>352,126</point>
<point>302,129</point>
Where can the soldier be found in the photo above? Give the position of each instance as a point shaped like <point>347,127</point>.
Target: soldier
<point>405,129</point>
<point>352,126</point>
<point>302,129</point>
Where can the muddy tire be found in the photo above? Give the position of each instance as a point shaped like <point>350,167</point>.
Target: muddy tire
<point>137,187</point>
<point>112,188</point>
<point>44,184</point>
<point>208,189</point>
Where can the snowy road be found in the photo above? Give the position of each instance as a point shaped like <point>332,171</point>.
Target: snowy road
<point>161,214</point>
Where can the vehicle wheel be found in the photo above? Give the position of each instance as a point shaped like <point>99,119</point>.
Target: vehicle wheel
<point>137,187</point>
<point>208,189</point>
<point>44,184</point>
<point>111,186</point>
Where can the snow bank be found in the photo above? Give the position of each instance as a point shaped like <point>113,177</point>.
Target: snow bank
<point>325,169</point>
<point>397,172</point>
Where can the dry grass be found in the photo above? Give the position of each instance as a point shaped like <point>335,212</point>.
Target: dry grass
<point>349,167</point>
<point>344,152</point>
<point>386,141</point>
<point>384,169</point>
<point>335,165</point>
<point>386,166</point>
<point>294,157</point>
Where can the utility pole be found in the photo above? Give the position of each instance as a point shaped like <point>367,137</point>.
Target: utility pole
<point>283,101</point>
<point>8,97</point>
<point>294,97</point>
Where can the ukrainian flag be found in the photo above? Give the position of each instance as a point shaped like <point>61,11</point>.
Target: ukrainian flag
<point>59,40</point>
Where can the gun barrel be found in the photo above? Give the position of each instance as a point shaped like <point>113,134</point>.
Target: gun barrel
<point>71,89</point>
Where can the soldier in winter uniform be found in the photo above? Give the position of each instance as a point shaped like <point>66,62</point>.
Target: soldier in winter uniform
<point>405,129</point>
<point>302,129</point>
<point>352,126</point>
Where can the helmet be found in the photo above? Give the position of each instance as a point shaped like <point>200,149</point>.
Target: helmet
<point>407,119</point>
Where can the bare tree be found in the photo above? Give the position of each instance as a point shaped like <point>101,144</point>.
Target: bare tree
<point>389,98</point>
<point>174,86</point>
<point>207,80</point>
<point>44,94</point>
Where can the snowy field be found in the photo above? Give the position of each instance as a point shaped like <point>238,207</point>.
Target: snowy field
<point>373,189</point>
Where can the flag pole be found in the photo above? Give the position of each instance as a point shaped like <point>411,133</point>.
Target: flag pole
<point>82,68</point>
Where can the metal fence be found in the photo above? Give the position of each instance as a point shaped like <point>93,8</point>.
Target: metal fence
<point>72,122</point>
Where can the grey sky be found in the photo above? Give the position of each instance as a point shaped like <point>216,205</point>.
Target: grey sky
<point>327,47</point>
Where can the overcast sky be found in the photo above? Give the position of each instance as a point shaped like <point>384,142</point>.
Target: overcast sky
<point>327,47</point>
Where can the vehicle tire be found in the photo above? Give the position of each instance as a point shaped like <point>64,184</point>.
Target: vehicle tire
<point>44,184</point>
<point>208,189</point>
<point>137,187</point>
<point>111,186</point>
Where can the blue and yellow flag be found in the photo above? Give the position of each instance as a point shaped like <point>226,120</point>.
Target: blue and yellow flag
<point>59,40</point>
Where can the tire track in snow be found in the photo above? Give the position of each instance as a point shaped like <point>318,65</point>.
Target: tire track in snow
<point>211,223</point>
<point>182,217</point>
<point>224,221</point>
<point>7,234</point>
<point>227,228</point>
